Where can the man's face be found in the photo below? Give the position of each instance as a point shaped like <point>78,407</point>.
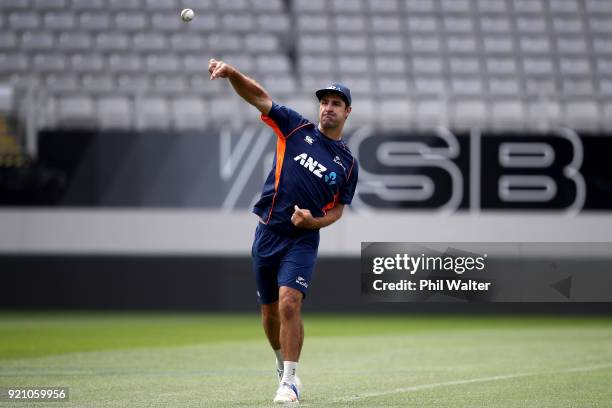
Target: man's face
<point>333,111</point>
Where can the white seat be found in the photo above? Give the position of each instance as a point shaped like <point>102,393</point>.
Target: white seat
<point>280,84</point>
<point>244,62</point>
<point>188,113</point>
<point>535,45</point>
<point>537,66</point>
<point>495,24</point>
<point>461,44</point>
<point>152,113</point>
<point>501,65</point>
<point>133,83</point>
<point>360,85</point>
<point>115,113</point>
<point>568,25</point>
<point>564,7</point>
<point>543,114</point>
<point>351,44</point>
<point>187,42</point>
<point>316,64</point>
<point>541,86</point>
<point>170,84</point>
<point>429,85</point>
<point>531,25</point>
<point>466,86</point>
<point>575,66</point>
<point>423,24</point>
<point>364,113</point>
<point>498,45</point>
<point>431,112</point>
<point>458,24</point>
<point>578,87</point>
<point>576,45</point>
<point>504,86</point>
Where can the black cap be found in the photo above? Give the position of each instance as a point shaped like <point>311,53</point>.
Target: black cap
<point>336,88</point>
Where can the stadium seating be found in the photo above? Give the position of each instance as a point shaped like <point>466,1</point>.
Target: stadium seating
<point>487,63</point>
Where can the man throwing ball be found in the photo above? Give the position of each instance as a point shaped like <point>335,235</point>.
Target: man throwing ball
<point>313,177</point>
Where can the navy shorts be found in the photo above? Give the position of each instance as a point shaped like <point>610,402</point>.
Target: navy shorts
<point>282,260</point>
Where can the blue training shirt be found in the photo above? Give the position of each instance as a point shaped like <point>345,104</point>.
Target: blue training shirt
<point>310,170</point>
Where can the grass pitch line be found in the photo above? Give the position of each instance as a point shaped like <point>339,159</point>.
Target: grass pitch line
<point>469,381</point>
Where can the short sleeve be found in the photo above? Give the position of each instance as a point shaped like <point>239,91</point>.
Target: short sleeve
<point>284,119</point>
<point>348,189</point>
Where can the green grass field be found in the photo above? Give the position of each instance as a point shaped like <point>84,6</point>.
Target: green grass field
<point>188,360</point>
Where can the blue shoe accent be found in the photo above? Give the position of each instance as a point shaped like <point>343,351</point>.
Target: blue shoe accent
<point>297,393</point>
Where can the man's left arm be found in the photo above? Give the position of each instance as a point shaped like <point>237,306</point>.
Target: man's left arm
<point>302,218</point>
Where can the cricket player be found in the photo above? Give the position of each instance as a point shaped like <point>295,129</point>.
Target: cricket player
<point>313,177</point>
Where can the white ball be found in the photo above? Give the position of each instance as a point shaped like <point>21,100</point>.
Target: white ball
<point>187,15</point>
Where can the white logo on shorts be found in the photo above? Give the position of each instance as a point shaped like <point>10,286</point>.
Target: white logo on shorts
<point>301,281</point>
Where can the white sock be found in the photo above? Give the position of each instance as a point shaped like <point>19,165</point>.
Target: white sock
<point>279,359</point>
<point>290,369</point>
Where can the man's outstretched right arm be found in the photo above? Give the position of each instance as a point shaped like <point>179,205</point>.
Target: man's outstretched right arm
<point>244,86</point>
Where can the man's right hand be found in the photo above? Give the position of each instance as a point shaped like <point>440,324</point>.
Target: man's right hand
<point>218,69</point>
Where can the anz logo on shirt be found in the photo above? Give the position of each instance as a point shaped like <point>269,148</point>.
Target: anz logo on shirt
<point>316,168</point>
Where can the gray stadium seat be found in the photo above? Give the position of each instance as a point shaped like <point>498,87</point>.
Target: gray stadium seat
<point>233,5</point>
<point>225,42</point>
<point>598,6</point>
<point>466,86</point>
<point>425,44</point>
<point>604,66</point>
<point>188,113</point>
<point>495,24</point>
<point>125,4</point>
<point>600,25</point>
<point>152,113</point>
<point>461,44</point>
<point>234,22</point>
<point>347,6</point>
<point>540,86</point>
<point>98,83</point>
<point>88,4</point>
<point>112,41</point>
<point>188,42</point>
<point>528,6</point>
<point>531,25</point>
<point>15,5</point>
<point>492,6</point>
<point>223,110</point>
<point>24,20</point>
<point>607,116</point>
<point>315,23</point>
<point>170,84</point>
<point>11,62</point>
<point>364,112</point>
<point>422,24</point>
<point>507,114</point>
<point>149,42</point>
<point>133,83</point>
<point>69,42</point>
<point>498,45</point>
<point>395,113</point>
<point>243,62</point>
<point>568,25</point>
<point>42,41</point>
<point>504,86</point>
<point>353,65</point>
<point>469,113</point>
<point>455,6</point>
<point>582,115</point>
<point>42,5</point>
<point>203,23</point>
<point>165,22</point>
<point>537,66</point>
<point>386,24</point>
<point>388,44</point>
<point>360,85</point>
<point>261,42</point>
<point>431,112</point>
<point>347,23</point>
<point>302,6</point>
<point>564,6</point>
<point>458,24</point>
<point>352,44</point>
<point>273,23</point>
<point>87,62</point>
<point>315,64</point>
<point>389,65</point>
<point>307,106</point>
<point>425,85</point>
<point>205,5</point>
<point>575,66</point>
<point>62,83</point>
<point>501,65</point>
<point>535,45</point>
<point>115,112</point>
<point>314,43</point>
<point>8,41</point>
<point>201,84</point>
<point>415,6</point>
<point>602,46</point>
<point>267,6</point>
<point>273,63</point>
<point>76,111</point>
<point>196,63</point>
<point>392,85</point>
<point>464,65</point>
<point>427,65</point>
<point>166,5</point>
<point>94,21</point>
<point>576,45</point>
<point>49,63</point>
<point>384,6</point>
<point>130,21</point>
<point>122,63</point>
<point>162,63</point>
<point>59,21</point>
<point>280,84</point>
<point>582,87</point>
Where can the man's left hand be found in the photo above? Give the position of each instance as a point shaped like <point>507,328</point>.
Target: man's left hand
<point>302,218</point>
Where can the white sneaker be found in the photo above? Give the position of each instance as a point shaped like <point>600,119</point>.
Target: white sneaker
<point>287,393</point>
<point>298,382</point>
